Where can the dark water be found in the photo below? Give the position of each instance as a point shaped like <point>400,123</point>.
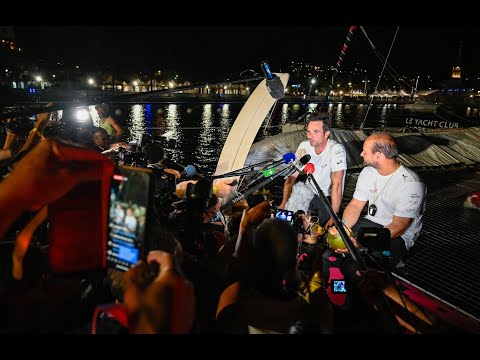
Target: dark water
<point>194,133</point>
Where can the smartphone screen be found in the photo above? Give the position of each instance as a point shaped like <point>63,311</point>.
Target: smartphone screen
<point>338,287</point>
<point>130,196</point>
<point>286,215</point>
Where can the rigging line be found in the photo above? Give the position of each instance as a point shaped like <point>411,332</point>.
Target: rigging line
<point>380,77</point>
<point>380,56</point>
<point>395,76</point>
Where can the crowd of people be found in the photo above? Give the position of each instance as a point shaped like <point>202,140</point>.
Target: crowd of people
<point>206,271</point>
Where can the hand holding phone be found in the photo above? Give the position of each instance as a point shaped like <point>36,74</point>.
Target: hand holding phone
<point>165,305</point>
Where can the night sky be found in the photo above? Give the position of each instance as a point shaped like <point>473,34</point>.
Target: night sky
<point>213,53</point>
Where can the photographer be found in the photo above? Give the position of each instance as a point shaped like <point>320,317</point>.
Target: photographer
<point>101,142</point>
<point>265,297</point>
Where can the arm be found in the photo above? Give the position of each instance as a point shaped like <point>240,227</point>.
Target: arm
<point>8,140</point>
<point>250,220</point>
<point>287,188</point>
<point>118,128</point>
<point>29,185</point>
<point>5,154</point>
<point>36,132</point>
<point>398,226</point>
<point>220,188</point>
<point>409,205</point>
<point>164,305</point>
<point>352,212</point>
<point>173,172</point>
<point>337,192</point>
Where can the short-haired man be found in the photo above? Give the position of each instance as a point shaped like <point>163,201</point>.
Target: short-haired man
<point>330,161</point>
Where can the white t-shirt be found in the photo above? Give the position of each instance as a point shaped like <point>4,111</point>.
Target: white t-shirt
<point>400,194</point>
<point>333,158</point>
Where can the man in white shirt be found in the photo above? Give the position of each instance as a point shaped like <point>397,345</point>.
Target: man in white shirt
<point>395,196</point>
<point>130,221</point>
<point>330,161</point>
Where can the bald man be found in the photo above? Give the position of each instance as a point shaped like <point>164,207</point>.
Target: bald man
<point>395,196</point>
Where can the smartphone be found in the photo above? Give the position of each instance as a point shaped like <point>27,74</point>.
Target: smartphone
<point>286,215</point>
<point>130,202</point>
<point>77,226</point>
<point>338,287</point>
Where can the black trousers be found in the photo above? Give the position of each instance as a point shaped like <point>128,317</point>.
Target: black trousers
<point>317,206</point>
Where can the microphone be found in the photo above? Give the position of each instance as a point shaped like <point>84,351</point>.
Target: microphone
<point>309,169</point>
<point>300,165</point>
<point>251,190</point>
<point>270,169</point>
<point>287,158</point>
<point>188,171</point>
<point>274,84</point>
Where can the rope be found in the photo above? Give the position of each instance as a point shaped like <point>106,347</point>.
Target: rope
<point>395,76</point>
<point>380,77</point>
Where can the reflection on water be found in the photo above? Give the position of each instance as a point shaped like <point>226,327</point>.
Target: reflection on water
<point>94,115</point>
<point>173,132</point>
<point>207,134</point>
<point>137,121</point>
<point>195,133</point>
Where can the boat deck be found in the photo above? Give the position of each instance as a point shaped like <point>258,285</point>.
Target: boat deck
<point>444,262</point>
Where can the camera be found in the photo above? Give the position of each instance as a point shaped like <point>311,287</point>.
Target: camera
<point>374,238</point>
<point>141,152</point>
<point>297,222</point>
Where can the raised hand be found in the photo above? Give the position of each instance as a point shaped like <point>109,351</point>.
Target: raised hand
<point>165,304</point>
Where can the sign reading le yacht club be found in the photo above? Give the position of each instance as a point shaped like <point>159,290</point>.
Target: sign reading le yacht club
<point>423,123</point>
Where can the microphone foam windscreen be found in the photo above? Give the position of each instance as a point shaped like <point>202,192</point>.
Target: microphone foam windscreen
<point>190,170</point>
<point>305,159</point>
<point>289,157</point>
<point>309,168</point>
<point>275,87</point>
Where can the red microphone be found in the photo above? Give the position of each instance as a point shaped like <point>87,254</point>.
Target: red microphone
<point>309,169</point>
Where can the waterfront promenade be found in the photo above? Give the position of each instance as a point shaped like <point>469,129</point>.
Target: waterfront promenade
<point>166,96</point>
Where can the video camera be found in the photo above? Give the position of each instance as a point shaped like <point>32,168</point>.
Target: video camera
<point>141,152</point>
<point>20,126</point>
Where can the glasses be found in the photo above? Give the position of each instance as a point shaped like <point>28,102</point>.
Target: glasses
<point>372,210</point>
